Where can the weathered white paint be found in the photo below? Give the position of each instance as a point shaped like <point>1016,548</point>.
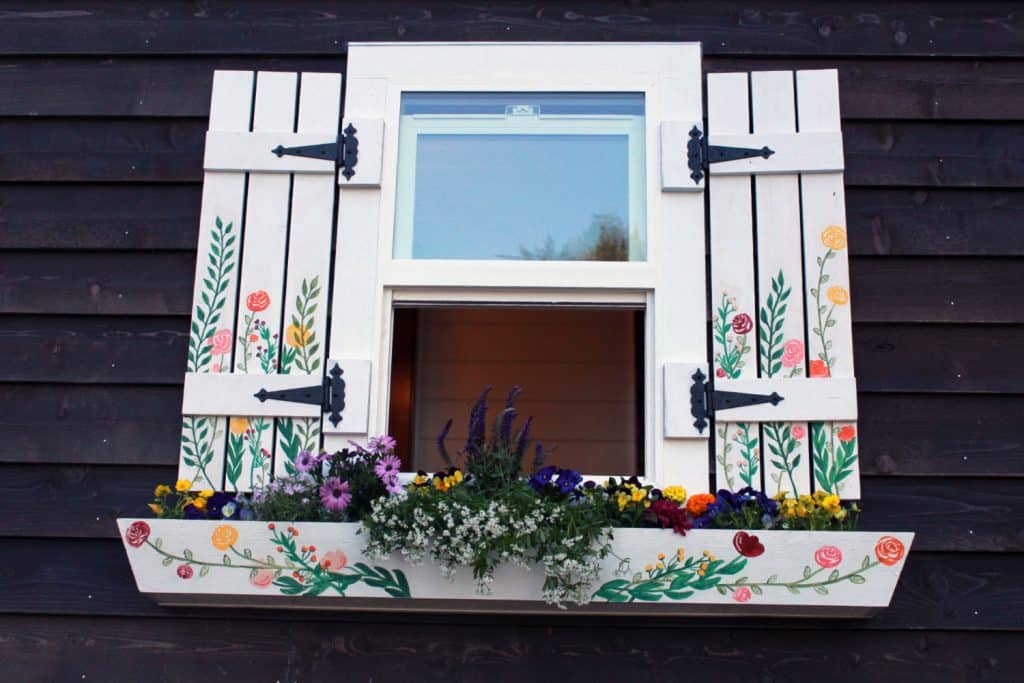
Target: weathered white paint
<point>789,556</point>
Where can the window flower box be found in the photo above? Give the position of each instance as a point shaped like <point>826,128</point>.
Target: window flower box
<point>707,572</point>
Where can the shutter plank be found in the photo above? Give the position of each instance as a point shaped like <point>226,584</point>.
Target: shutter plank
<point>830,337</point>
<point>309,257</point>
<point>202,445</point>
<point>780,319</point>
<point>737,447</point>
<point>257,340</point>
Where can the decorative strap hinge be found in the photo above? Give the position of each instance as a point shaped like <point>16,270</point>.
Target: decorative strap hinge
<point>705,401</point>
<point>344,151</point>
<point>330,395</point>
<point>700,155</point>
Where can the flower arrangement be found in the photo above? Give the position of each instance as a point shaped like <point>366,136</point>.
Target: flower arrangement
<point>180,502</point>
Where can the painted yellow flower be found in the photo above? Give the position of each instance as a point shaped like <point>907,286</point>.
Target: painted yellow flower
<point>649,567</point>
<point>238,425</point>
<point>838,295</point>
<point>661,565</point>
<point>224,537</point>
<point>182,485</point>
<point>834,238</point>
<point>680,554</point>
<point>677,494</point>
<point>161,491</point>
<point>297,336</point>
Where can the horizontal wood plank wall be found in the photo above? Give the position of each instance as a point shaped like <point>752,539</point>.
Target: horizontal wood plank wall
<point>102,114</point>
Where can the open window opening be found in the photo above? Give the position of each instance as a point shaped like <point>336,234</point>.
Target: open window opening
<point>581,370</point>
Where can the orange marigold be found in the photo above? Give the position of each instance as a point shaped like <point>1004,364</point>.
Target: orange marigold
<point>698,504</point>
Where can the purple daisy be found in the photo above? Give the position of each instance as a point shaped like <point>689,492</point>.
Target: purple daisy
<point>382,444</point>
<point>393,485</point>
<point>305,461</point>
<point>334,494</point>
<point>387,467</point>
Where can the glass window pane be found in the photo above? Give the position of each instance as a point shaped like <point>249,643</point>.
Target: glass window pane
<point>549,176</point>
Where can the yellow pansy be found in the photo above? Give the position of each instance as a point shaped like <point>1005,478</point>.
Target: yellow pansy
<point>831,503</point>
<point>199,503</point>
<point>297,336</point>
<point>238,425</point>
<point>838,295</point>
<point>224,537</point>
<point>161,491</point>
<point>205,493</point>
<point>182,485</point>
<point>158,510</point>
<point>638,495</point>
<point>677,494</point>
<point>834,238</point>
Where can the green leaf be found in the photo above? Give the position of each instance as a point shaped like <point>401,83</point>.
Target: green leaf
<point>158,543</point>
<point>866,563</point>
<point>167,561</point>
<point>227,560</point>
<point>857,578</point>
<point>187,554</point>
<point>773,578</point>
<point>204,570</point>
<point>821,590</point>
<point>807,571</point>
<point>756,590</point>
<point>833,576</point>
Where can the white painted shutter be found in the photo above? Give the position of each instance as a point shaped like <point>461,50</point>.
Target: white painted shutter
<point>778,248</point>
<point>260,301</point>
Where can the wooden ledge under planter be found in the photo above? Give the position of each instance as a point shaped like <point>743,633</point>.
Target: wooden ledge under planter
<point>319,565</point>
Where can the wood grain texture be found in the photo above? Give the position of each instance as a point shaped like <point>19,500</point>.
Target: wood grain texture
<point>728,27</point>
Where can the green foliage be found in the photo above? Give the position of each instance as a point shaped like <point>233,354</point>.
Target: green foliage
<point>773,318</point>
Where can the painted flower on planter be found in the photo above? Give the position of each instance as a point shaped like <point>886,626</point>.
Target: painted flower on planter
<point>792,353</point>
<point>334,561</point>
<point>137,534</point>
<point>221,342</point>
<point>742,594</point>
<point>224,537</point>
<point>747,545</point>
<point>741,324</point>
<point>847,434</point>
<point>261,578</point>
<point>819,368</point>
<point>257,301</point>
<point>889,550</point>
<point>798,432</point>
<point>185,571</point>
<point>838,295</point>
<point>828,556</point>
<point>297,336</point>
<point>834,238</point>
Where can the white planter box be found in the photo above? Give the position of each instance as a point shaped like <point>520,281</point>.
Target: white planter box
<point>798,573</point>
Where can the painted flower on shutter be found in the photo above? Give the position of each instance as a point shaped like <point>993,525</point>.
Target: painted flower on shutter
<point>792,353</point>
<point>819,368</point>
<point>297,336</point>
<point>847,434</point>
<point>798,432</point>
<point>257,301</point>
<point>238,425</point>
<point>742,324</point>
<point>838,295</point>
<point>834,238</point>
<point>220,342</point>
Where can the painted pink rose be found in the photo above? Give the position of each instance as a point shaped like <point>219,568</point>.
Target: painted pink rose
<point>185,571</point>
<point>792,353</point>
<point>137,534</point>
<point>828,556</point>
<point>742,324</point>
<point>334,561</point>
<point>221,342</point>
<point>262,578</point>
<point>742,594</point>
<point>798,432</point>
<point>215,367</point>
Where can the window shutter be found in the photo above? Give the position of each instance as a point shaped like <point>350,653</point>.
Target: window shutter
<point>781,347</point>
<point>262,279</point>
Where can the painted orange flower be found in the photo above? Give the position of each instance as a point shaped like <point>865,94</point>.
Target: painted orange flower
<point>334,561</point>
<point>838,295</point>
<point>834,238</point>
<point>257,301</point>
<point>238,425</point>
<point>224,537</point>
<point>262,578</point>
<point>847,433</point>
<point>819,369</point>
<point>889,550</point>
<point>297,336</point>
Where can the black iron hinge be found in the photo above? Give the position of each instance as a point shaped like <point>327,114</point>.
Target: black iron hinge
<point>330,395</point>
<point>700,155</point>
<point>705,400</point>
<point>344,151</point>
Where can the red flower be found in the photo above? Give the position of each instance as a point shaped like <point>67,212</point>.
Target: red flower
<point>847,433</point>
<point>742,324</point>
<point>819,369</point>
<point>741,594</point>
<point>720,372</point>
<point>666,513</point>
<point>828,556</point>
<point>257,301</point>
<point>747,545</point>
<point>185,571</point>
<point>889,550</point>
<point>137,534</point>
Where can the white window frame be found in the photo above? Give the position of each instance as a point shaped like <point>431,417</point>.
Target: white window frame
<point>670,284</point>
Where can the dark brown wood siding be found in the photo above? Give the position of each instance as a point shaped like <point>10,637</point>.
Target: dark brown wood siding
<point>103,108</point>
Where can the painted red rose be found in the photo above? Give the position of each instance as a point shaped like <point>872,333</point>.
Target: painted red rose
<point>747,545</point>
<point>847,433</point>
<point>137,534</point>
<point>257,301</point>
<point>185,571</point>
<point>742,324</point>
<point>819,369</point>
<point>741,594</point>
<point>828,556</point>
<point>889,550</point>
